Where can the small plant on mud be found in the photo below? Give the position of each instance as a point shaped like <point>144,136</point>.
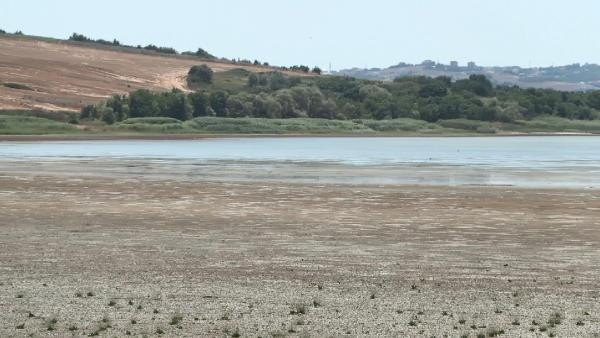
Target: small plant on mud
<point>299,309</point>
<point>112,303</point>
<point>497,311</point>
<point>20,327</point>
<point>90,294</point>
<point>72,328</point>
<point>78,295</point>
<point>580,323</point>
<point>51,324</point>
<point>555,319</point>
<point>176,319</point>
<point>494,332</point>
<point>516,322</point>
<point>19,295</point>
<point>236,333</point>
<point>155,311</point>
<point>316,303</point>
<point>159,331</point>
<point>462,321</point>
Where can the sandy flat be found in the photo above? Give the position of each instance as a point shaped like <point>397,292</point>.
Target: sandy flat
<point>266,259</point>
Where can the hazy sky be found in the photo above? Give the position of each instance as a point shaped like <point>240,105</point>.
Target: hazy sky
<point>347,33</point>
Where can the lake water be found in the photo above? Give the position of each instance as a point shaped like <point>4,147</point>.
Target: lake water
<point>571,161</point>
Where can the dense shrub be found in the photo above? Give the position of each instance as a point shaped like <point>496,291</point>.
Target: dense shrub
<point>199,75</point>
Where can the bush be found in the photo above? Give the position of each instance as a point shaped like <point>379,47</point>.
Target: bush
<point>28,125</point>
<point>17,86</point>
<point>199,75</point>
<point>463,124</point>
<point>151,120</point>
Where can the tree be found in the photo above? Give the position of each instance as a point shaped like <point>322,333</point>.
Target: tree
<point>199,103</point>
<point>79,37</point>
<point>201,53</point>
<point>218,102</point>
<point>240,105</point>
<point>175,104</point>
<point>433,89</point>
<point>317,70</point>
<point>252,80</point>
<point>477,84</point>
<point>142,103</point>
<point>198,75</point>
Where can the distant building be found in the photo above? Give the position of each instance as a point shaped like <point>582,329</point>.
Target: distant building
<point>471,65</point>
<point>454,65</point>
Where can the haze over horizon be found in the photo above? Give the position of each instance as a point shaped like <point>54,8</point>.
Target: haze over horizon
<point>344,33</point>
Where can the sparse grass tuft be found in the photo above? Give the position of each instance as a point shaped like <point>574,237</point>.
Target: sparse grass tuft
<point>176,319</point>
<point>18,86</point>
<point>555,319</point>
<point>51,324</point>
<point>462,321</point>
<point>112,303</point>
<point>299,309</point>
<point>72,328</point>
<point>316,303</point>
<point>516,322</point>
<point>21,326</point>
<point>159,331</point>
<point>90,294</point>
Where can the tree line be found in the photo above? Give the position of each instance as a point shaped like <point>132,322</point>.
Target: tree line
<point>276,95</point>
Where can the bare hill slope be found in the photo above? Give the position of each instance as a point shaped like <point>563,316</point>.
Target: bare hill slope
<point>55,75</point>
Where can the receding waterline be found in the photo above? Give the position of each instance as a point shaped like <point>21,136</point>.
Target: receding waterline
<point>521,161</point>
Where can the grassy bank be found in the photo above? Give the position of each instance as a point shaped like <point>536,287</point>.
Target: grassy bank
<point>15,123</point>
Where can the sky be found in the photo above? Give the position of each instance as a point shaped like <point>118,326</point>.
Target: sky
<point>343,33</point>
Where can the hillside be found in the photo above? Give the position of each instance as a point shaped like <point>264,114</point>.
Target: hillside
<point>574,77</point>
<point>60,75</point>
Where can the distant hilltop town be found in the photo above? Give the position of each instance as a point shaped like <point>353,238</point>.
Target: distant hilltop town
<point>573,77</point>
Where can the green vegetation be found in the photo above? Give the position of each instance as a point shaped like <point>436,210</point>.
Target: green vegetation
<point>462,104</point>
<point>239,101</point>
<point>27,125</point>
<point>17,86</point>
<point>199,75</point>
<point>82,38</point>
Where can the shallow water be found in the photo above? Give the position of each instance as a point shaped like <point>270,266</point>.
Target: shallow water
<point>523,161</point>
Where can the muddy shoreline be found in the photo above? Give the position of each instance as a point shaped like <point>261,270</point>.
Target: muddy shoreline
<point>164,255</point>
